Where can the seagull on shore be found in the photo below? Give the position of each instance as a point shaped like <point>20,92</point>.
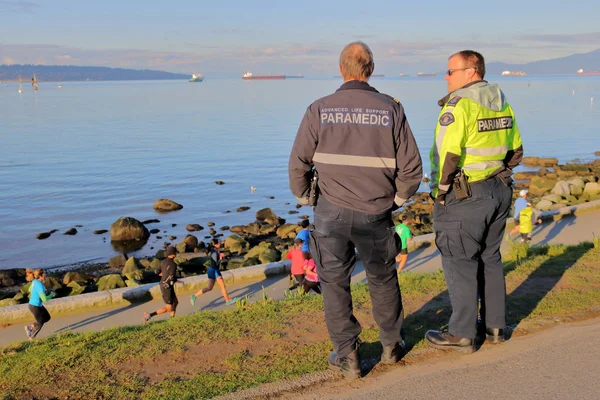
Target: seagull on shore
<point>253,188</point>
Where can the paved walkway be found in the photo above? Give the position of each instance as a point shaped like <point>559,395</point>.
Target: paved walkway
<point>569,230</point>
<point>560,363</point>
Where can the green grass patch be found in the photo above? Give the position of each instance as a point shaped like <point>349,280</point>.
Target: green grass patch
<point>211,353</point>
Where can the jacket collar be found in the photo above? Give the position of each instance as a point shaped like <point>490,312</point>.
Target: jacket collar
<point>360,85</point>
<point>442,102</point>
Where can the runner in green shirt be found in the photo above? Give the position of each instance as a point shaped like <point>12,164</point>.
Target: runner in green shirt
<point>403,232</point>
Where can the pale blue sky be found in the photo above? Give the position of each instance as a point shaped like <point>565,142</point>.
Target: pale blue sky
<point>227,37</point>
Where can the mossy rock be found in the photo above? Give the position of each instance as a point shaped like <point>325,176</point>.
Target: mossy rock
<point>161,255</point>
<point>117,262</point>
<point>51,283</point>
<point>25,288</point>
<point>285,230</point>
<point>20,297</point>
<point>112,281</point>
<point>235,243</point>
<point>133,269</point>
<point>132,283</point>
<point>75,276</point>
<point>235,263</point>
<point>155,265</point>
<point>265,213</point>
<point>181,247</point>
<point>76,288</point>
<point>8,302</point>
<point>269,256</point>
<point>256,250</point>
<point>126,229</point>
<point>166,205</point>
<point>251,261</point>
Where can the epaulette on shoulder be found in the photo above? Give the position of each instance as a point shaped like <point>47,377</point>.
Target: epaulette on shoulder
<point>453,101</point>
<point>393,98</point>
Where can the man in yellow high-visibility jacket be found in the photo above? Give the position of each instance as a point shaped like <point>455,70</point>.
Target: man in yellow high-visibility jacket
<point>476,135</point>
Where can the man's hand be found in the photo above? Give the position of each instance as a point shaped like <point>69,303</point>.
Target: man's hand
<point>302,200</point>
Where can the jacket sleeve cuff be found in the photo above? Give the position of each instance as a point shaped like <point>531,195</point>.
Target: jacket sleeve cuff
<point>399,201</point>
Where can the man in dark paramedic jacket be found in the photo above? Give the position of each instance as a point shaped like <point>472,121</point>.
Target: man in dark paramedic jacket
<point>368,164</point>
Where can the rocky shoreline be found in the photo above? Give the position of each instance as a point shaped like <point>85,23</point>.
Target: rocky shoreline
<point>267,239</point>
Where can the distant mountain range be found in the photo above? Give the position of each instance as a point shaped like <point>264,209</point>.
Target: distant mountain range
<point>64,73</point>
<point>565,65</point>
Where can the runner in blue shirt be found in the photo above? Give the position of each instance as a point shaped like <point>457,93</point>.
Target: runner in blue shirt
<point>37,296</point>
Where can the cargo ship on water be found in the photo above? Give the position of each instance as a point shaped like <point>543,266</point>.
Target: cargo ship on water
<point>513,73</point>
<point>425,74</point>
<point>581,72</point>
<point>248,76</point>
<point>299,76</point>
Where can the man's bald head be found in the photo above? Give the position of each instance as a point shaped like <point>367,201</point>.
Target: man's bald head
<point>356,62</point>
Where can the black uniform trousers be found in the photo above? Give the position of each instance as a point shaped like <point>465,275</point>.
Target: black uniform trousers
<point>337,232</point>
<point>468,234</point>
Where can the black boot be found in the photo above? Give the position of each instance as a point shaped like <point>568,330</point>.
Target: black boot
<point>349,365</point>
<point>446,341</point>
<point>392,353</point>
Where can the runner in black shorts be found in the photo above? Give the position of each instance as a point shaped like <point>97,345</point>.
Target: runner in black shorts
<point>168,269</point>
<point>214,275</point>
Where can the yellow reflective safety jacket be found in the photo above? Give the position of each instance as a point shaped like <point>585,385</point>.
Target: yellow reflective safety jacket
<point>476,132</point>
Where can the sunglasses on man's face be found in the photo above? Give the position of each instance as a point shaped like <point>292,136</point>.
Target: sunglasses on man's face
<point>451,71</point>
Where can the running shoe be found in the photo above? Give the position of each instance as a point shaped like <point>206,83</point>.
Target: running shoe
<point>232,301</point>
<point>193,300</point>
<point>28,331</point>
<point>146,317</point>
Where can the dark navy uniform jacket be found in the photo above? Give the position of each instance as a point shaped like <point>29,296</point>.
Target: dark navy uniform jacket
<point>362,147</point>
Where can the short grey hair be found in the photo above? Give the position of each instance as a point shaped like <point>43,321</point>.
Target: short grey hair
<point>356,61</point>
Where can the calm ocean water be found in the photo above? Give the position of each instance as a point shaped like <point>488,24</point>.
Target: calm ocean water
<point>88,153</point>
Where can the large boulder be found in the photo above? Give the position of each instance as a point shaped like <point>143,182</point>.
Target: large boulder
<point>75,276</point>
<point>191,241</point>
<point>577,186</point>
<point>112,281</point>
<point>8,302</point>
<point>284,231</point>
<point>237,229</point>
<point>235,263</point>
<point>562,189</point>
<point>531,161</point>
<point>235,244</point>
<point>133,270</point>
<point>251,261</point>
<point>592,188</point>
<point>547,162</point>
<point>544,205</point>
<point>76,288</point>
<point>166,205</point>
<point>252,229</point>
<point>269,256</point>
<point>554,198</point>
<point>267,229</point>
<point>194,227</point>
<point>275,221</point>
<point>8,277</point>
<point>524,176</point>
<point>181,247</point>
<point>256,250</point>
<point>51,283</point>
<point>128,229</point>
<point>539,185</point>
<point>265,213</point>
